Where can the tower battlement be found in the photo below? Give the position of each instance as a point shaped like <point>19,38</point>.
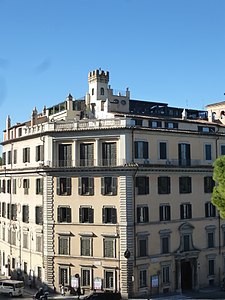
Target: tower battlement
<point>98,75</point>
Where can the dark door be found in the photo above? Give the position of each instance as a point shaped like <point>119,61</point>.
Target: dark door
<point>186,276</point>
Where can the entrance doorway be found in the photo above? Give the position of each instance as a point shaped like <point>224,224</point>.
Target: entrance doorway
<point>186,275</point>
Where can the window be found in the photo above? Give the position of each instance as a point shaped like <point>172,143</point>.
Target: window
<point>25,267</point>
<point>85,277</point>
<point>142,278</point>
<point>38,243</point>
<point>86,215</point>
<point>186,242</point>
<point>109,247</point>
<point>184,154</point>
<point>185,211</point>
<point>141,150</point>
<point>210,210</point>
<point>26,186</point>
<point>13,237</point>
<point>109,215</point>
<point>86,246</point>
<point>64,186</point>
<point>64,245</point>
<point>39,269</point>
<point>15,156</point>
<point>164,185</point>
<point>87,154</point>
<point>155,124</point>
<point>64,214</point>
<point>26,155</point>
<point>171,125</point>
<point>14,212</point>
<point>39,186</point>
<point>210,236</point>
<point>142,214</point>
<point>208,152</point>
<point>211,264</point>
<point>162,150</point>
<point>3,158</point>
<point>3,233</point>
<point>137,122</point>
<point>65,155</point>
<point>109,279</point>
<point>222,149</point>
<point>209,184</point>
<point>109,155</point>
<point>109,185</point>
<point>3,186</point>
<point>3,209</point>
<point>142,185</point>
<point>165,274</point>
<point>165,244</point>
<point>14,186</point>
<point>25,240</point>
<point>185,185</point>
<point>164,212</point>
<point>9,186</point>
<point>86,186</point>
<point>39,215</point>
<point>25,213</point>
<point>143,246</point>
<point>9,157</point>
<point>64,276</point>
<point>102,91</point>
<point>9,236</point>
<point>39,155</point>
<point>92,91</point>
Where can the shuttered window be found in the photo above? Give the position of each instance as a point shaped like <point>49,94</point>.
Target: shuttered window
<point>64,245</point>
<point>86,215</point>
<point>109,247</point>
<point>65,155</point>
<point>64,186</point>
<point>86,246</point>
<point>87,154</point>
<point>26,154</point>
<point>109,215</point>
<point>39,155</point>
<point>142,185</point>
<point>141,150</point>
<point>64,214</point>
<point>109,154</point>
<point>86,186</point>
<point>39,215</point>
<point>25,213</point>
<point>109,185</point>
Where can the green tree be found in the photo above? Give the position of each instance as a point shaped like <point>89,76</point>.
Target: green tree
<point>218,195</point>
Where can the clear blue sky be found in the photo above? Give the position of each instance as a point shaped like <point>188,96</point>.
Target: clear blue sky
<point>169,51</point>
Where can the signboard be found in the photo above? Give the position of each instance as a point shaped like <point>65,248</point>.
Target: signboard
<point>97,283</point>
<point>154,281</point>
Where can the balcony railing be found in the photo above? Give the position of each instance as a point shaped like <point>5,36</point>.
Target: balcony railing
<point>122,162</point>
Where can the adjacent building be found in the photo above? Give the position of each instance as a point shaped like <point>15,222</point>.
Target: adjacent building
<point>111,193</point>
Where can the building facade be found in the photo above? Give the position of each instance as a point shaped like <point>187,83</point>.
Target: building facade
<point>111,193</point>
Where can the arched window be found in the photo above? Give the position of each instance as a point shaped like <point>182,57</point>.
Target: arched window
<point>102,91</point>
<point>92,91</point>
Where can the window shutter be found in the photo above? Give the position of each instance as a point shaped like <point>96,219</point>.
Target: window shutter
<point>103,185</point>
<point>181,211</point>
<point>146,217</point>
<point>24,154</point>
<point>28,154</point>
<point>59,214</point>
<point>147,184</point>
<point>80,185</point>
<point>169,213</point>
<point>41,185</point>
<point>114,215</point>
<point>138,214</point>
<point>161,213</point>
<point>135,149</point>
<point>114,185</point>
<point>58,185</point>
<point>68,186</point>
<point>80,215</point>
<point>145,149</point>
<point>103,215</point>
<point>41,152</point>
<point>36,153</point>
<point>68,215</point>
<point>91,215</point>
<point>91,186</point>
<point>189,211</point>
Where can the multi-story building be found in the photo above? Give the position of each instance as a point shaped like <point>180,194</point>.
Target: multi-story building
<point>113,193</point>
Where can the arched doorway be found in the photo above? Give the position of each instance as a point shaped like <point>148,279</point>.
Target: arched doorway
<point>186,275</point>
